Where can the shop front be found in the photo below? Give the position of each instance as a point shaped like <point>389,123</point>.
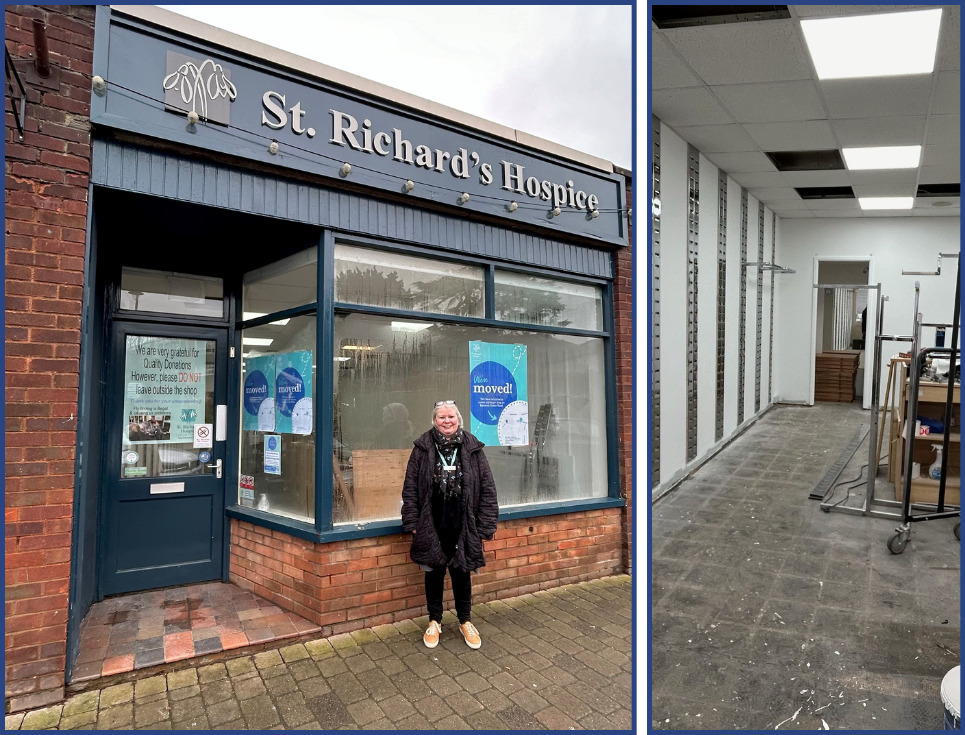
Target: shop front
<point>283,273</point>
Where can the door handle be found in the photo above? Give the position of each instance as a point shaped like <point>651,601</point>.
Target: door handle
<point>217,468</point>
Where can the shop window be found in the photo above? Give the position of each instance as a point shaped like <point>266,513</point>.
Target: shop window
<point>278,385</point>
<point>389,372</point>
<point>547,302</point>
<point>285,284</point>
<point>171,293</point>
<point>375,278</point>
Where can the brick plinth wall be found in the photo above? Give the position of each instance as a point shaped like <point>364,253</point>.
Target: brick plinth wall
<point>348,585</point>
<point>46,180</point>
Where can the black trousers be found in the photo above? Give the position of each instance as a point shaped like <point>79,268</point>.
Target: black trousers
<point>461,584</point>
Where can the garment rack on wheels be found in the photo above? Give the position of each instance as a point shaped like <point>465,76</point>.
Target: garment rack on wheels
<point>897,543</point>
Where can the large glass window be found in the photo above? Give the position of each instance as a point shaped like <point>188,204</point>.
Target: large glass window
<point>277,472</point>
<point>389,372</point>
<point>377,278</point>
<point>522,297</point>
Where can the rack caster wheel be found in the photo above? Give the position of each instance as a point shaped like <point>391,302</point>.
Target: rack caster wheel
<point>897,543</point>
<point>958,530</point>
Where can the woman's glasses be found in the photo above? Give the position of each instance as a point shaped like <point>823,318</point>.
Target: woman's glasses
<point>444,403</point>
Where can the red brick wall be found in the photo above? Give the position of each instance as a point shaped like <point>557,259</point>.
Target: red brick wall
<point>347,585</point>
<point>623,324</point>
<point>46,178</point>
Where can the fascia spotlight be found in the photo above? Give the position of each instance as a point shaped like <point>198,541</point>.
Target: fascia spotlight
<point>193,118</point>
<point>463,198</point>
<point>409,185</point>
<point>346,169</point>
<point>513,206</point>
<point>273,148</point>
<point>556,211</point>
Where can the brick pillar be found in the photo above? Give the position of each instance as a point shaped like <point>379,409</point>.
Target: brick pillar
<point>46,184</point>
<point>623,324</point>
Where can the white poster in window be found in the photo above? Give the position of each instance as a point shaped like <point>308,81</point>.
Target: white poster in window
<point>165,394</point>
<point>272,454</point>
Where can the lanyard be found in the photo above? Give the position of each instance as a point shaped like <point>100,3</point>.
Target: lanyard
<point>449,465</point>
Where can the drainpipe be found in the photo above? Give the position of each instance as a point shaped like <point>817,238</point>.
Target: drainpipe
<point>42,53</point>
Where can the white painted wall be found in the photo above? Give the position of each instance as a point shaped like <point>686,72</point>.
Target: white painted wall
<point>673,310</point>
<point>892,244</point>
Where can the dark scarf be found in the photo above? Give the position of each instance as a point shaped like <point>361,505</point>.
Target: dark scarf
<point>447,484</point>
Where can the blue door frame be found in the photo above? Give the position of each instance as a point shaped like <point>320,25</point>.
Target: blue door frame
<point>162,524</point>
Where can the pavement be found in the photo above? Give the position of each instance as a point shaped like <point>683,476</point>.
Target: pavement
<point>558,659</point>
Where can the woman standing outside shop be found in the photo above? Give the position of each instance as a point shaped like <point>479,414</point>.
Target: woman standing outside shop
<point>449,504</point>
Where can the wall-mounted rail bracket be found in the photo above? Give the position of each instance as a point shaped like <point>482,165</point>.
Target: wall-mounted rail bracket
<point>764,266</point>
<point>936,272</point>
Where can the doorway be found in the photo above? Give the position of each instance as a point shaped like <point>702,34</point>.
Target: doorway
<point>843,318</point>
<point>163,500</point>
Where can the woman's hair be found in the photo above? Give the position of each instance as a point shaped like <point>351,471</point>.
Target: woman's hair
<point>446,404</point>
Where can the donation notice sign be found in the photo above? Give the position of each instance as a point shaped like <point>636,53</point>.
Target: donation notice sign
<point>498,402</point>
<point>165,393</point>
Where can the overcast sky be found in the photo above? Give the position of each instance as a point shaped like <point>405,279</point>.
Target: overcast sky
<point>560,72</point>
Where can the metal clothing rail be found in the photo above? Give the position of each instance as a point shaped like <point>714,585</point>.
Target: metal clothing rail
<point>897,543</point>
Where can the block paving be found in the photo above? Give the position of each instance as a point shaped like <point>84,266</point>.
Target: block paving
<point>554,659</point>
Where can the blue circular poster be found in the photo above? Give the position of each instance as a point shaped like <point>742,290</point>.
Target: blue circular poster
<point>256,391</point>
<point>289,388</point>
<point>491,388</point>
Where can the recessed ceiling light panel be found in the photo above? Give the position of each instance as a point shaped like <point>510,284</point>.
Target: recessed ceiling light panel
<point>886,202</point>
<point>878,45</point>
<point>882,157</point>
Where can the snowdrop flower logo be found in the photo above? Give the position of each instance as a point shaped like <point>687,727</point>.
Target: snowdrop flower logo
<point>203,88</point>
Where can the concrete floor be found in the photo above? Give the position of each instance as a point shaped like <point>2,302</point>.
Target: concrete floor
<point>770,613</point>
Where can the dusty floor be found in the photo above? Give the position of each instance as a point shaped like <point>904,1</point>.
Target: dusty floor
<point>770,613</point>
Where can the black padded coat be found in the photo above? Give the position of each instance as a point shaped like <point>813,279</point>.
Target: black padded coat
<point>480,506</point>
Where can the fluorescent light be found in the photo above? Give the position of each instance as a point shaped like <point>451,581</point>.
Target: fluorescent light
<point>409,326</point>
<point>361,348</point>
<point>342,359</point>
<point>878,45</point>
<point>894,156</point>
<point>248,315</point>
<point>256,341</point>
<point>886,202</point>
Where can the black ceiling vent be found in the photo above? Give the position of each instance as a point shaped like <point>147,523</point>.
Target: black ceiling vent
<point>939,190</point>
<point>684,16</point>
<point>825,192</point>
<point>829,160</point>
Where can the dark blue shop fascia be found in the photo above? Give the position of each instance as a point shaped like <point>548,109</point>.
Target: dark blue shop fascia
<point>264,112</point>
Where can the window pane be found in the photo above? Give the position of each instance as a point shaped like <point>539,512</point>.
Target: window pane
<point>404,282</point>
<point>544,301</point>
<point>385,391</point>
<point>277,420</point>
<point>171,293</point>
<point>282,285</point>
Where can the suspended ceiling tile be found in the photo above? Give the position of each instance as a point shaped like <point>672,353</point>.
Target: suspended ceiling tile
<point>737,53</point>
<point>717,138</point>
<point>816,178</point>
<point>795,214</point>
<point>740,162</point>
<point>776,194</point>
<point>950,45</point>
<point>759,180</point>
<point>905,178</point>
<point>877,97</point>
<point>771,102</point>
<point>873,131</point>
<point>688,106</point>
<point>939,155</point>
<point>792,136</point>
<point>847,205</point>
<point>824,11</point>
<point>951,173</point>
<point>666,68</point>
<point>944,130</point>
<point>947,98</point>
